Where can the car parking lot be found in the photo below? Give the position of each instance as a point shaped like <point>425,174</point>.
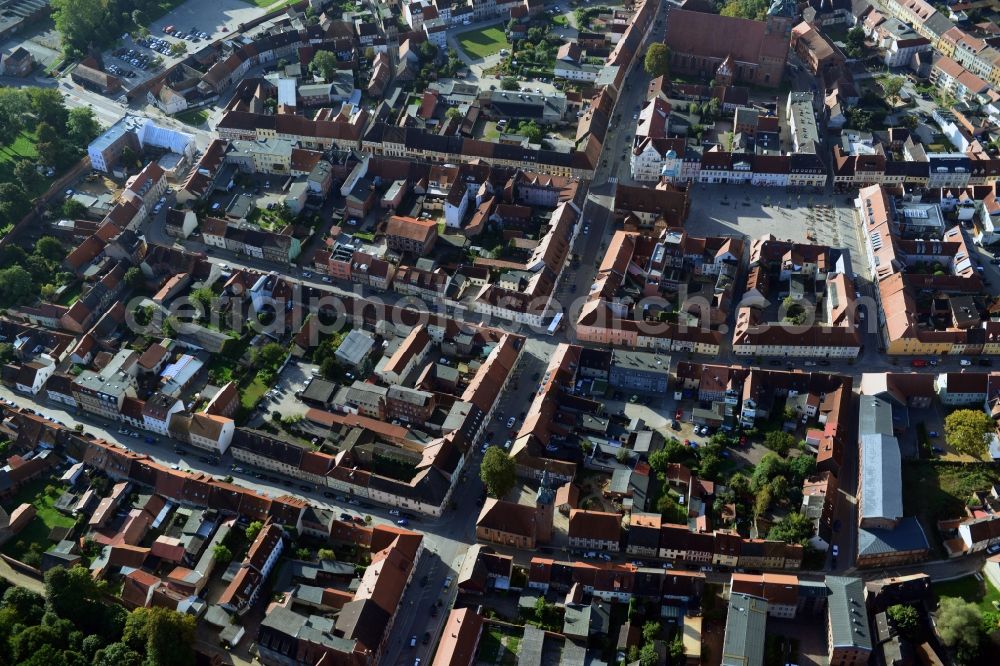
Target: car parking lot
<point>281,398</point>
<point>193,24</point>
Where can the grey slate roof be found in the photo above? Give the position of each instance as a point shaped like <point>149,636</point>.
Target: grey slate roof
<point>907,536</point>
<point>938,24</point>
<point>882,481</point>
<point>743,644</point>
<point>881,471</point>
<point>848,617</point>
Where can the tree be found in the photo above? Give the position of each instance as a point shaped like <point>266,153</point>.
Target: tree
<point>16,287</point>
<point>428,51</point>
<point>770,466</point>
<point>165,636</point>
<point>497,471</point>
<point>326,554</point>
<point>860,119</point>
<point>51,249</point>
<point>203,296</point>
<point>667,506</point>
<point>891,85</point>
<point>82,23</point>
<point>958,625</point>
<point>32,640</point>
<point>6,353</point>
<point>15,107</point>
<point>178,48</point>
<point>82,127</point>
<point>453,112</point>
<point>906,617</point>
<point>48,106</point>
<point>648,655</point>
<point>762,501</point>
<point>139,18</point>
<point>26,604</point>
<point>72,209</point>
<point>854,43</point>
<point>324,64</point>
<point>779,441</point>
<point>676,649</point>
<point>709,465</point>
<point>253,529</point>
<point>509,83</point>
<point>26,174</point>
<point>795,528</point>
<point>657,62</point>
<point>739,484</point>
<point>133,277</point>
<point>530,130</point>
<point>801,467</point>
<point>117,654</point>
<point>650,631</point>
<point>672,451</point>
<point>222,554</point>
<point>968,431</point>
<point>268,356</point>
<point>749,9</point>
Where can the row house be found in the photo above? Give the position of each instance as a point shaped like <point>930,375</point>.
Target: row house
<point>615,582</point>
<point>594,530</point>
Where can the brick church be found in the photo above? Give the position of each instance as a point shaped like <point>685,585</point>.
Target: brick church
<point>729,50</point>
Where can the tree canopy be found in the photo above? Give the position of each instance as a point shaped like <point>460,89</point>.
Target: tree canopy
<point>657,62</point>
<point>958,625</point>
<point>854,43</point>
<point>253,529</point>
<point>750,9</point>
<point>968,431</point>
<point>794,528</point>
<point>324,64</point>
<point>74,625</point>
<point>906,617</point>
<point>497,472</point>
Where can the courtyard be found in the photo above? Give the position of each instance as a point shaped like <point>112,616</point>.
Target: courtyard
<point>483,42</point>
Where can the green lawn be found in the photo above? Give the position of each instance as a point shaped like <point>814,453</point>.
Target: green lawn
<point>252,393</point>
<point>969,588</point>
<point>489,647</point>
<point>938,490</point>
<point>23,147</point>
<point>36,535</point>
<point>484,42</point>
<point>71,295</point>
<point>944,488</point>
<point>195,117</point>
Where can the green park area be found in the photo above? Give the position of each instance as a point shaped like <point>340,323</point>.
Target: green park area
<point>483,42</point>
